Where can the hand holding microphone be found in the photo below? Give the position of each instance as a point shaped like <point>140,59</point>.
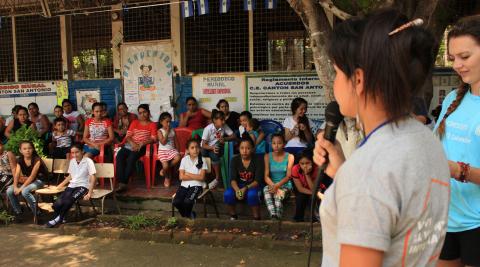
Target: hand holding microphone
<point>329,153</point>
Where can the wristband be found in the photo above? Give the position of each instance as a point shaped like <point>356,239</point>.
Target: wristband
<point>464,172</point>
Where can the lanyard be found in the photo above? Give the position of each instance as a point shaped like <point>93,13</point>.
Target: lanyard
<point>370,134</point>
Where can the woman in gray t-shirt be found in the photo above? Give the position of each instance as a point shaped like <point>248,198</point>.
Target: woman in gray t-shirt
<point>388,203</point>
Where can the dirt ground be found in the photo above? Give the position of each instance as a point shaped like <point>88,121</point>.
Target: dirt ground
<point>30,246</point>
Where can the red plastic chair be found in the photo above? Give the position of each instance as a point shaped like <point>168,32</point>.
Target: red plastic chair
<point>146,159</point>
<point>101,159</point>
<point>183,134</point>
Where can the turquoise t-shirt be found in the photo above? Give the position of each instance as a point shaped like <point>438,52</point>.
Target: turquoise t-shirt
<point>260,148</point>
<point>461,142</point>
<point>278,170</point>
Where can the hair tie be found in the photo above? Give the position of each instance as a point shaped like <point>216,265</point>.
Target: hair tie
<point>415,22</point>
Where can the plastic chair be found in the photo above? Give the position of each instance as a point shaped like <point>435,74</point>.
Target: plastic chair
<point>100,159</point>
<point>183,134</point>
<point>269,127</point>
<point>147,164</point>
<point>198,132</point>
<point>225,163</point>
<point>174,124</point>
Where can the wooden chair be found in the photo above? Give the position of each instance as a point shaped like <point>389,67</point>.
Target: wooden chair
<point>55,167</point>
<point>206,193</point>
<point>105,170</point>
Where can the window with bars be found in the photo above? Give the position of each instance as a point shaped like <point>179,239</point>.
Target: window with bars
<point>280,40</point>
<point>91,48</point>
<point>146,24</point>
<point>7,71</point>
<point>217,42</point>
<point>39,53</point>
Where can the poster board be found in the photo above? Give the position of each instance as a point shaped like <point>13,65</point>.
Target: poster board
<point>85,99</point>
<point>42,93</point>
<point>208,89</point>
<point>269,96</point>
<point>147,76</point>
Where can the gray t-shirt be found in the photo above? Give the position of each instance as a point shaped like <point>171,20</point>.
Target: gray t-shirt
<point>391,195</point>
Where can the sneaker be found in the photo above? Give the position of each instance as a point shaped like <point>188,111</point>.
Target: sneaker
<point>53,223</point>
<point>233,217</point>
<point>213,184</point>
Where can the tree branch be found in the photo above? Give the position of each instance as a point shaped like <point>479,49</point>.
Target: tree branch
<point>329,6</point>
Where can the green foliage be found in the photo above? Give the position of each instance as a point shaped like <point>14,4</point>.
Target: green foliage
<point>172,223</point>
<point>22,134</point>
<point>137,222</point>
<point>5,217</point>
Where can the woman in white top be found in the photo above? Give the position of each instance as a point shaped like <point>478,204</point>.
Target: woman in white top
<point>192,174</point>
<point>298,133</point>
<point>81,181</point>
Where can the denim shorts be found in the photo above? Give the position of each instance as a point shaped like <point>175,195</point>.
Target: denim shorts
<point>214,157</point>
<point>95,152</point>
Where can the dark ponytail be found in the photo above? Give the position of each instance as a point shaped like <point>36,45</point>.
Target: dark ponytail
<point>199,164</point>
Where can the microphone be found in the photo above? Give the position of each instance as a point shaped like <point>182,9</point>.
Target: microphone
<point>333,118</point>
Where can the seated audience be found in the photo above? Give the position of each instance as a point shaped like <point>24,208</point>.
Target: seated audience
<point>195,117</point>
<point>17,123</point>
<point>246,175</point>
<point>140,133</point>
<point>213,139</point>
<point>97,133</point>
<point>232,118</point>
<point>80,180</point>
<point>122,121</point>
<point>297,127</point>
<point>167,147</point>
<point>30,174</point>
<point>61,139</point>
<point>192,174</point>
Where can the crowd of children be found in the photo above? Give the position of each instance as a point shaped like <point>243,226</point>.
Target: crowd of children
<point>255,174</point>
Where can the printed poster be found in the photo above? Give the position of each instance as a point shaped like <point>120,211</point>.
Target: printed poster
<point>85,100</point>
<point>147,76</point>
<point>42,93</point>
<point>208,89</point>
<point>269,96</point>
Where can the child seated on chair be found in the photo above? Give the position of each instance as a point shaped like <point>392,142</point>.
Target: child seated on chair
<point>213,139</point>
<point>61,139</point>
<point>192,174</point>
<point>81,181</point>
<point>303,176</point>
<point>252,130</point>
<point>246,176</point>
<point>278,166</point>
<point>8,163</point>
<point>167,143</point>
<point>98,132</point>
<point>30,174</point>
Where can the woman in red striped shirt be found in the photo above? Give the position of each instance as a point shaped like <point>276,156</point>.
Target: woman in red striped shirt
<point>98,132</point>
<point>140,133</point>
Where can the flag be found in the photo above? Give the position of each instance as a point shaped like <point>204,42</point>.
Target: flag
<point>187,8</point>
<point>249,5</point>
<point>202,6</point>
<point>270,4</point>
<point>224,6</point>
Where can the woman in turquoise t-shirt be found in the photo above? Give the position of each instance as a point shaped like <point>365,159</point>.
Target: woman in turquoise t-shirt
<point>278,167</point>
<point>459,130</point>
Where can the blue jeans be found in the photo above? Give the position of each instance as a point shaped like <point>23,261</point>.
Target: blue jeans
<point>229,197</point>
<point>27,194</point>
<point>209,154</point>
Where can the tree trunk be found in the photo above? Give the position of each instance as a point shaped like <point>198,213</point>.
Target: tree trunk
<point>318,27</point>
